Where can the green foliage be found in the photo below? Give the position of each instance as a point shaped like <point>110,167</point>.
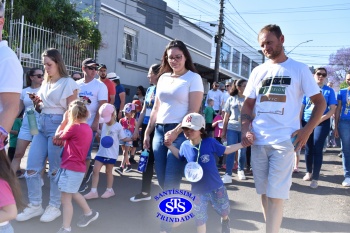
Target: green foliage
<point>60,16</point>
<point>343,85</point>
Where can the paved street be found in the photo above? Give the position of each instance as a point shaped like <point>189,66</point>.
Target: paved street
<point>326,209</point>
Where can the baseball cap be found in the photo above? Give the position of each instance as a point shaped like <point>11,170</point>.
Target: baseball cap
<point>129,107</point>
<point>106,112</point>
<point>112,76</point>
<point>102,66</point>
<point>89,62</point>
<point>138,105</point>
<point>222,86</point>
<point>193,121</point>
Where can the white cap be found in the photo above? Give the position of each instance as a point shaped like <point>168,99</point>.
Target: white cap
<point>193,121</point>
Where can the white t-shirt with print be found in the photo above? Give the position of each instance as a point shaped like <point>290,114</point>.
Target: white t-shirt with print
<point>91,93</point>
<point>173,95</point>
<point>117,133</point>
<point>28,103</point>
<point>278,90</point>
<point>216,96</point>
<point>55,96</point>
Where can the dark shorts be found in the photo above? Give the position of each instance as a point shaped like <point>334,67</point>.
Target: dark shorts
<point>105,160</point>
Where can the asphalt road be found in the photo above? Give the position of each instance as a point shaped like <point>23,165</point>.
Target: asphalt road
<point>325,209</point>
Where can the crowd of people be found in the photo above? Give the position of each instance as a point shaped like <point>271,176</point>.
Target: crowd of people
<point>246,125</point>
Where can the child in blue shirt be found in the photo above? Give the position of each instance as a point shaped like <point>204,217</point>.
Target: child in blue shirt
<point>200,149</point>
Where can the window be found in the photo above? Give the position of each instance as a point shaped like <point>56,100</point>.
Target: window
<point>225,54</point>
<point>130,44</point>
<point>236,57</point>
<point>245,66</point>
<point>254,64</point>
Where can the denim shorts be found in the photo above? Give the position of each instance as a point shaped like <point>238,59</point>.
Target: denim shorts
<point>128,134</point>
<point>7,228</point>
<point>24,134</point>
<point>70,181</point>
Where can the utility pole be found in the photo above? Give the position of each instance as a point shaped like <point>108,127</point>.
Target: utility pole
<point>218,41</point>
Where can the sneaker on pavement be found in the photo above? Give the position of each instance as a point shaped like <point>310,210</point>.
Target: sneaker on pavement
<point>227,179</point>
<point>30,212</point>
<point>128,168</point>
<point>119,170</point>
<point>314,184</point>
<point>50,214</point>
<point>241,175</point>
<point>108,194</point>
<point>83,187</point>
<point>140,197</point>
<point>308,176</point>
<point>62,230</point>
<point>91,195</point>
<point>86,220</point>
<point>225,226</point>
<point>346,182</point>
<point>132,160</point>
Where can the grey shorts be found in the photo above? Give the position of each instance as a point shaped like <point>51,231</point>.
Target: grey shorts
<point>272,168</point>
<point>70,181</point>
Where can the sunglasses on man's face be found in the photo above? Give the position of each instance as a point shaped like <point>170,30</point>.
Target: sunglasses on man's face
<point>321,74</point>
<point>91,67</point>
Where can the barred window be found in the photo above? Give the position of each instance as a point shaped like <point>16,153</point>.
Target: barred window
<point>130,44</point>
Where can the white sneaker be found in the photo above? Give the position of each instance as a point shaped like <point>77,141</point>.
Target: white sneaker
<point>227,179</point>
<point>30,212</point>
<point>51,213</point>
<point>346,182</point>
<point>241,175</point>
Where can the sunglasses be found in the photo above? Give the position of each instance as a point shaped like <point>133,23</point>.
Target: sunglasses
<point>321,74</point>
<point>227,85</point>
<point>91,67</point>
<point>217,85</point>
<point>38,75</point>
<point>176,58</point>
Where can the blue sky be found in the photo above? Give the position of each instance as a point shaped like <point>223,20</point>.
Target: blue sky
<point>324,22</point>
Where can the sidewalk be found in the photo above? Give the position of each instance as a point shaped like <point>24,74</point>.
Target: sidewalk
<point>325,209</point>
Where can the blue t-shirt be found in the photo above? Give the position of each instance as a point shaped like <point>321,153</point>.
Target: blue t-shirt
<point>119,89</point>
<point>149,101</point>
<point>208,147</point>
<point>328,94</point>
<point>344,97</point>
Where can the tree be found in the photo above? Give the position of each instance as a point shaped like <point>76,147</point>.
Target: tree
<point>339,65</point>
<point>60,16</point>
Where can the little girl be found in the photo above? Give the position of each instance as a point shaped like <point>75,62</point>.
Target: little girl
<point>218,124</point>
<point>10,194</point>
<point>76,133</point>
<point>207,186</point>
<point>128,123</point>
<point>107,154</point>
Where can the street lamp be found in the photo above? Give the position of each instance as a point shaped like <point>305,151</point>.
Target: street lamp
<point>299,45</point>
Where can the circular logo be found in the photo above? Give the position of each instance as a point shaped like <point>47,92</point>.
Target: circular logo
<point>193,172</point>
<point>107,141</point>
<point>175,206</point>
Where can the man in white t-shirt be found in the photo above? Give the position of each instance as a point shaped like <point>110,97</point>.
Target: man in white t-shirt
<point>11,83</point>
<point>93,93</point>
<point>225,94</point>
<point>214,94</point>
<point>274,92</point>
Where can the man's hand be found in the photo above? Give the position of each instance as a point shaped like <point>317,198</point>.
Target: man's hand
<point>302,136</point>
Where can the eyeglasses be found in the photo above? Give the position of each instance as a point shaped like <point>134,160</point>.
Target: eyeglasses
<point>176,58</point>
<point>227,85</point>
<point>38,75</point>
<point>321,74</point>
<point>91,67</point>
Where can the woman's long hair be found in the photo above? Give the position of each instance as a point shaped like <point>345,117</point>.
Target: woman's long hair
<point>239,83</point>
<point>56,57</point>
<point>29,74</point>
<point>9,176</point>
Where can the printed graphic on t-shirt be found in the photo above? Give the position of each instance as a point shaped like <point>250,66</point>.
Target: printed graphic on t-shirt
<point>205,158</point>
<point>272,95</point>
<point>86,100</point>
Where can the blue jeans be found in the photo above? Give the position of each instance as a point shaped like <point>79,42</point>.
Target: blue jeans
<point>7,228</point>
<point>169,169</point>
<point>234,137</point>
<point>344,133</point>
<point>41,148</point>
<point>314,147</point>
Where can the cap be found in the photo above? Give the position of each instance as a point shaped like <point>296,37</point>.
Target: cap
<point>106,112</point>
<point>138,105</point>
<point>102,66</point>
<point>112,76</point>
<point>222,86</point>
<point>129,107</point>
<point>193,121</point>
<point>89,62</point>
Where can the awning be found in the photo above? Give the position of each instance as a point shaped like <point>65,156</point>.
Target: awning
<point>208,73</point>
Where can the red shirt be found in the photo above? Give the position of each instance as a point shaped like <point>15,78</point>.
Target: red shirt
<point>6,196</point>
<point>77,144</point>
<point>128,123</point>
<point>110,87</point>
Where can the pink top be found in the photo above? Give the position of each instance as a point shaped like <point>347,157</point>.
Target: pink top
<point>6,196</point>
<point>78,139</point>
<point>128,123</point>
<point>218,127</point>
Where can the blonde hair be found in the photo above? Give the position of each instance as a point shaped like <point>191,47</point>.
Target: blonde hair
<point>77,112</point>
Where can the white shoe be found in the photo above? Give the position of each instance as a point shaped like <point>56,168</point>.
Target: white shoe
<point>51,213</point>
<point>30,212</point>
<point>227,179</point>
<point>241,175</point>
<point>346,182</point>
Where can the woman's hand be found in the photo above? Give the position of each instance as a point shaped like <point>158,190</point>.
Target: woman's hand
<point>146,142</point>
<point>57,141</point>
<point>135,135</point>
<point>170,137</point>
<point>336,133</point>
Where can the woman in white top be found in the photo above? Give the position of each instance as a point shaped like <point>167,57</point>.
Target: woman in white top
<point>34,79</point>
<point>52,100</point>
